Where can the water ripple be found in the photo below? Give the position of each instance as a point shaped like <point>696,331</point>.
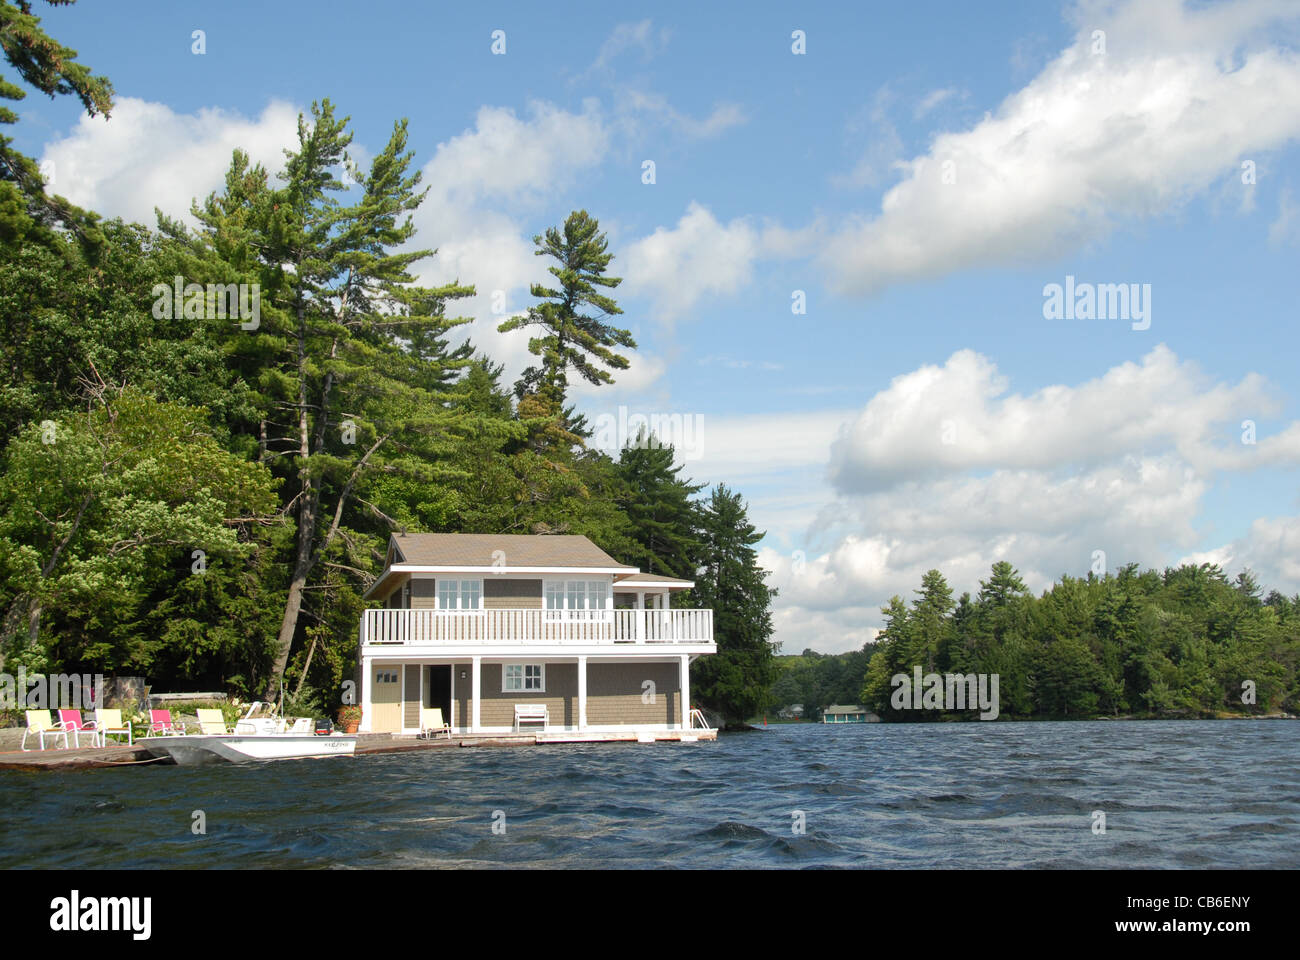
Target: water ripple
<point>1174,794</point>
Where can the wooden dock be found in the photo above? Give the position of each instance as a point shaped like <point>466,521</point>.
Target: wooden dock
<point>90,758</point>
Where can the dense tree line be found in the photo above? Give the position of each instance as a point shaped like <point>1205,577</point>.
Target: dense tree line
<point>203,497</point>
<point>817,680</point>
<point>1183,642</point>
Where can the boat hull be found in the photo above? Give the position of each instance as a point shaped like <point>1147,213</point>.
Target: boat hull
<point>202,750</point>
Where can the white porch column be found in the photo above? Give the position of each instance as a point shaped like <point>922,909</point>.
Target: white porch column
<point>367,670</point>
<point>686,691</point>
<point>582,693</point>
<point>640,617</point>
<point>476,679</point>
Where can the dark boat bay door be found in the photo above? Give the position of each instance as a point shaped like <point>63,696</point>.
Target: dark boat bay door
<point>437,689</point>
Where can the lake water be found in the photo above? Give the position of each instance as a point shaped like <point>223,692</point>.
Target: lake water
<point>1190,794</point>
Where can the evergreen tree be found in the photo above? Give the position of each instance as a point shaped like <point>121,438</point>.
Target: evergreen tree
<point>735,680</point>
<point>345,395</point>
<point>28,214</point>
<point>660,507</point>
<point>574,331</point>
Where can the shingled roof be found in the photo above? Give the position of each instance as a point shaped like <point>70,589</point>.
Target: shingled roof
<point>519,550</point>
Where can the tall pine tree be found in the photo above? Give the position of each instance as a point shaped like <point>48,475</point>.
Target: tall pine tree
<point>736,679</point>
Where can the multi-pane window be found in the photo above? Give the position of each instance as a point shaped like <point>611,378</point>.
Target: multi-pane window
<point>460,594</point>
<point>576,599</point>
<point>521,677</point>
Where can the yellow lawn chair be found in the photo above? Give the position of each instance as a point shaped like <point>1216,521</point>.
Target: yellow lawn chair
<point>41,723</point>
<point>211,722</point>
<point>431,723</point>
<point>110,721</point>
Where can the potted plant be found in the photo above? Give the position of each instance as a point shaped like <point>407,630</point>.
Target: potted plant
<point>350,718</point>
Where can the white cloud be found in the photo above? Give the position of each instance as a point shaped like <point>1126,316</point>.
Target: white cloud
<point>933,99</point>
<point>640,36</point>
<point>1271,548</point>
<point>640,111</point>
<point>701,257</point>
<point>484,184</point>
<point>1178,98</point>
<point>1120,464</point>
<point>147,155</point>
<point>938,420</point>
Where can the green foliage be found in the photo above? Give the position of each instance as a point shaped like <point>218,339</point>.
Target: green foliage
<point>1182,643</point>
<point>28,215</point>
<point>569,337</point>
<point>99,513</point>
<point>736,679</point>
<point>661,507</point>
<point>818,680</point>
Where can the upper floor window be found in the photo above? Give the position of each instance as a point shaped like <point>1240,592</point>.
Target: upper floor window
<point>460,594</point>
<point>576,598</point>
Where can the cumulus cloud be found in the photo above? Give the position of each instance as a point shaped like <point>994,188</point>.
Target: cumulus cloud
<point>937,420</point>
<point>1177,98</point>
<point>147,155</point>
<point>1113,470</point>
<point>484,183</point>
<point>701,257</point>
<point>1271,548</point>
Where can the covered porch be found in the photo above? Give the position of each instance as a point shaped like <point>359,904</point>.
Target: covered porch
<point>579,696</point>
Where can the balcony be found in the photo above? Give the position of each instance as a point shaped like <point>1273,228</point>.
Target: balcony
<point>520,626</point>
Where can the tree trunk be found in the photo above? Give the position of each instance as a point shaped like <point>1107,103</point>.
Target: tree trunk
<point>308,495</point>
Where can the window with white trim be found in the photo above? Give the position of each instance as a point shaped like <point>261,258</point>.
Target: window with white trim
<point>523,678</point>
<point>460,594</point>
<point>576,599</point>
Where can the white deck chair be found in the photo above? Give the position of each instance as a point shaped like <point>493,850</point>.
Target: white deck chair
<point>432,724</point>
<point>110,721</point>
<point>41,723</point>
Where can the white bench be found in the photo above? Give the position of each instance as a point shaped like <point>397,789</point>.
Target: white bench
<point>531,713</point>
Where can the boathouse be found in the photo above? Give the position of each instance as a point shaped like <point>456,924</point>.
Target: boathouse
<point>848,713</point>
<point>503,633</point>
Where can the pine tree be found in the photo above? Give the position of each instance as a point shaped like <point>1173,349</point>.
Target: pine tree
<point>570,337</point>
<point>350,356</point>
<point>735,680</point>
<point>27,212</point>
<point>660,506</point>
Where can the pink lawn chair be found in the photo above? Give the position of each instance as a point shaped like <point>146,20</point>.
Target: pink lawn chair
<point>70,721</point>
<point>161,724</point>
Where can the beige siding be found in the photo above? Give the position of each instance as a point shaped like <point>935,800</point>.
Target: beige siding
<point>614,693</point>
<point>497,707</point>
<point>424,593</point>
<point>519,594</point>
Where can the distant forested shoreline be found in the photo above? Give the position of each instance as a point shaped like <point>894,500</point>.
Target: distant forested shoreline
<point>1183,642</point>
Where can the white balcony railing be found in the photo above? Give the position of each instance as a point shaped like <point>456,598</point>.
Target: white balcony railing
<point>433,627</point>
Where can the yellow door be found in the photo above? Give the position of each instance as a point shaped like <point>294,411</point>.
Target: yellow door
<point>386,699</point>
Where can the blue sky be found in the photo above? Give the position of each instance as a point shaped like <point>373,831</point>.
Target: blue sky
<point>922,412</point>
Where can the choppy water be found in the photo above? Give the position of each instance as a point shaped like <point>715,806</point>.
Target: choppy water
<point>1175,794</point>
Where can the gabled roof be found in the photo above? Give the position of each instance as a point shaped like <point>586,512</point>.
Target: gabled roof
<point>510,550</point>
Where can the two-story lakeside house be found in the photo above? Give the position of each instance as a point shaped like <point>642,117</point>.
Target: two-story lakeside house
<point>491,628</point>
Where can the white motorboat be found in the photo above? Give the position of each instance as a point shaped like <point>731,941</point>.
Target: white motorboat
<point>258,735</point>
